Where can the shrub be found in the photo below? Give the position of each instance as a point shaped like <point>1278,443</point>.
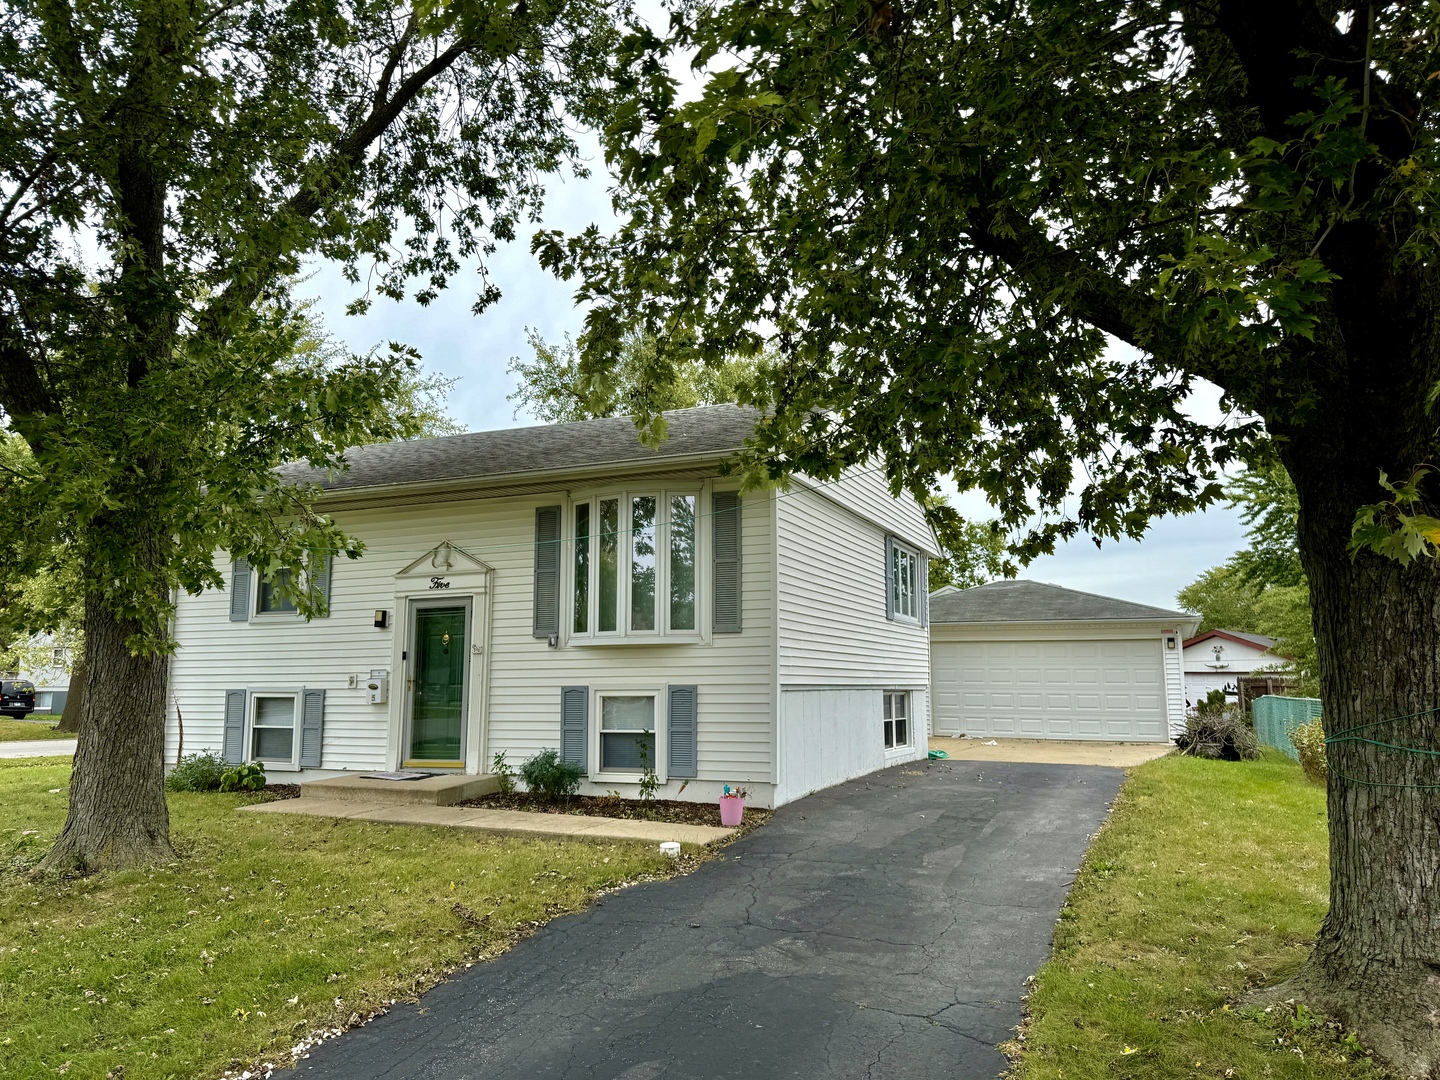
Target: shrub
<point>243,778</point>
<point>504,774</point>
<point>1309,742</point>
<point>197,772</point>
<point>1213,702</point>
<point>549,777</point>
<point>1224,736</point>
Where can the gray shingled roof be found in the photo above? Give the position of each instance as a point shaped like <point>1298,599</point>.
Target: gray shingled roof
<point>1034,601</point>
<point>713,429</point>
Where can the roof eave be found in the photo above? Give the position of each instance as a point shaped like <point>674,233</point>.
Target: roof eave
<point>389,492</point>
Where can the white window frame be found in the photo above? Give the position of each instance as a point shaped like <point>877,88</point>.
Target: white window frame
<point>887,721</point>
<point>251,708</point>
<point>902,590</point>
<point>661,694</point>
<point>623,633</point>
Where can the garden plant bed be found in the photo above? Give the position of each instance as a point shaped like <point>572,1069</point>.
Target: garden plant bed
<point>670,811</point>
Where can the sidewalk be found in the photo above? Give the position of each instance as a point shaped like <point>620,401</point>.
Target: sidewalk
<point>512,822</point>
<point>38,748</point>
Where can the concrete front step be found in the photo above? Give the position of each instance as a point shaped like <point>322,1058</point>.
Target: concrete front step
<point>446,789</point>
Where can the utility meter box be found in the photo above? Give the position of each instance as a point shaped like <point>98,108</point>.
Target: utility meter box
<point>377,688</point>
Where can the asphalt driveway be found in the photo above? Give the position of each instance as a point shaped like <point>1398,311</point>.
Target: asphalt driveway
<point>881,929</point>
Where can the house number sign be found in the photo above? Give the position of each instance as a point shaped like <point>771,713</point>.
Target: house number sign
<point>439,583</point>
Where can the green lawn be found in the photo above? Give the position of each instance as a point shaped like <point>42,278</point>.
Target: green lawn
<point>268,928</point>
<point>38,727</point>
<point>1209,878</point>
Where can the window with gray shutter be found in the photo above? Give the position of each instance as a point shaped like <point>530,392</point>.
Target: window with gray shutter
<point>232,746</point>
<point>924,573</point>
<point>321,576</point>
<point>312,728</point>
<point>890,575</point>
<point>575,724</point>
<point>240,590</point>
<point>683,726</point>
<point>547,571</point>
<point>725,556</point>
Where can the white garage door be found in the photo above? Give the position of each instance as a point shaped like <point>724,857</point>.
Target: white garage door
<point>1050,689</point>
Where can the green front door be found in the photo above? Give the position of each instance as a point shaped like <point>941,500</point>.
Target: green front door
<point>437,696</point>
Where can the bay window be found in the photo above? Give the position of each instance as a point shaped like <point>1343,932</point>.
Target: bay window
<point>635,565</point>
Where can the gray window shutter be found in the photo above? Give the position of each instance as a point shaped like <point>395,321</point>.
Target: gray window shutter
<point>232,747</point>
<point>547,571</point>
<point>574,724</point>
<point>321,576</point>
<point>312,727</point>
<point>725,555</point>
<point>683,717</point>
<point>890,578</point>
<point>922,571</point>
<point>240,591</point>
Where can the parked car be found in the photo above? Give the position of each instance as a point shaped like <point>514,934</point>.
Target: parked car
<point>17,697</point>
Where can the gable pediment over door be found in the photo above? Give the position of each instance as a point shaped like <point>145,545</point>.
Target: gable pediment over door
<point>446,565</point>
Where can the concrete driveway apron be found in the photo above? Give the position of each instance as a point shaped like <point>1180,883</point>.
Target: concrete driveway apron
<point>880,929</point>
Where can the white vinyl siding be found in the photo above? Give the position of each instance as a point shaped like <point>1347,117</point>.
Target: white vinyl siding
<point>864,492</point>
<point>733,673</point>
<point>830,736</point>
<point>832,582</point>
<point>1174,686</point>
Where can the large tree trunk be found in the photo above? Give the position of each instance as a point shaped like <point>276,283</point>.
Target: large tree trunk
<point>74,700</point>
<point>118,817</point>
<point>1376,963</point>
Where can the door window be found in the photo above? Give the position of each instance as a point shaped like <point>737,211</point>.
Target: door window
<point>437,709</point>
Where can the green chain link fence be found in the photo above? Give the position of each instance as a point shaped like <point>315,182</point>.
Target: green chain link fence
<point>1275,717</point>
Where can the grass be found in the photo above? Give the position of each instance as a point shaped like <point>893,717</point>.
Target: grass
<point>39,726</point>
<point>267,929</point>
<point>1209,877</point>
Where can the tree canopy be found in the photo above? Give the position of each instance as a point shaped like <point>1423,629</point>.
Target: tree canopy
<point>553,389</point>
<point>165,172</point>
<point>1005,242</point>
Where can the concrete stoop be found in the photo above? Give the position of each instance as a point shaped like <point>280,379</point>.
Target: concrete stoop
<point>446,789</point>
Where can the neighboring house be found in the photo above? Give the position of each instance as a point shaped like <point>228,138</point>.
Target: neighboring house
<point>1214,660</point>
<point>47,665</point>
<point>1022,659</point>
<point>565,587</point>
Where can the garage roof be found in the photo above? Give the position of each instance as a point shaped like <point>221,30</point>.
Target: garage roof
<point>1035,601</point>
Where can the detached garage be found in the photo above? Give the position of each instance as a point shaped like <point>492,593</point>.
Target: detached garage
<point>1025,660</point>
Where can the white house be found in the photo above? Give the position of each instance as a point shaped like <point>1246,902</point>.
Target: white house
<point>46,661</point>
<point>565,587</point>
<point>1022,659</point>
<point>1216,658</point>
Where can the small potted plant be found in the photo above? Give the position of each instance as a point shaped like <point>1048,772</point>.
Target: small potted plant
<point>732,806</point>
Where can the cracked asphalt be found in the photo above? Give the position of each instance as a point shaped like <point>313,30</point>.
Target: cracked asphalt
<point>882,929</point>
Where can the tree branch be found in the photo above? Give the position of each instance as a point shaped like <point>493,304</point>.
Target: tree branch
<point>248,280</point>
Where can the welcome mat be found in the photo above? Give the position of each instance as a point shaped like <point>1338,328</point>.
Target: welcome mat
<point>401,774</point>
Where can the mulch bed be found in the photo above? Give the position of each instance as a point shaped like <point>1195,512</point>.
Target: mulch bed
<point>670,811</point>
<point>276,792</point>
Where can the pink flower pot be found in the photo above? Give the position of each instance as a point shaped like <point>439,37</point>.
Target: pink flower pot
<point>732,808</point>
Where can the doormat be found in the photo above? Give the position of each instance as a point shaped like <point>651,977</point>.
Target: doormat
<point>403,774</point>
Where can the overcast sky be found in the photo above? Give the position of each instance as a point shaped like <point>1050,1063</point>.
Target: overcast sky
<point>478,349</point>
